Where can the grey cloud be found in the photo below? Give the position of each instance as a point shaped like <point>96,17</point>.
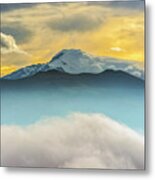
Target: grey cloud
<point>15,6</point>
<point>10,7</point>
<point>77,22</point>
<point>8,44</point>
<point>19,32</point>
<point>10,52</point>
<point>131,5</point>
<point>77,141</point>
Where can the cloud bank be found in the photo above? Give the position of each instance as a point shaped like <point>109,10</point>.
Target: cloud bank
<point>77,141</point>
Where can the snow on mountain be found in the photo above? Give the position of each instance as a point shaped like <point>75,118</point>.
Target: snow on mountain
<point>74,61</point>
<point>24,72</point>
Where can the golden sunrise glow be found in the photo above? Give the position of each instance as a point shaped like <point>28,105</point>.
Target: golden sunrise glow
<point>97,29</point>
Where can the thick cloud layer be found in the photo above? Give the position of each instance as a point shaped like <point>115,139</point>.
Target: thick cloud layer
<point>77,141</point>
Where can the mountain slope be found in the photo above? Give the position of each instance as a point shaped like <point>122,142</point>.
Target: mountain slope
<point>74,61</point>
<point>54,79</point>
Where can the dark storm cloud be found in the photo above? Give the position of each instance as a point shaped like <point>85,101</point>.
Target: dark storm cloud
<point>77,22</point>
<point>14,6</point>
<point>20,33</point>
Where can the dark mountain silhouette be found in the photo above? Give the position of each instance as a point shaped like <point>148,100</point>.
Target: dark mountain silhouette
<point>54,79</point>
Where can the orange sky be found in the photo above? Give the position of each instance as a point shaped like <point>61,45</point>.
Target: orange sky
<point>36,33</point>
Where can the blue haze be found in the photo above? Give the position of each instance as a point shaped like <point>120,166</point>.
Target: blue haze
<point>25,107</point>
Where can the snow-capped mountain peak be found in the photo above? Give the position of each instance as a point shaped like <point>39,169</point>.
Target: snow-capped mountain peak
<point>75,61</point>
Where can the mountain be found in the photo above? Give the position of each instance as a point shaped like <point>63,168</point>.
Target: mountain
<point>54,93</point>
<point>75,61</point>
<point>55,80</point>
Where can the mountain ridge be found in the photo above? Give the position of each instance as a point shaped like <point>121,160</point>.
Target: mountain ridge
<point>54,79</point>
<point>75,61</point>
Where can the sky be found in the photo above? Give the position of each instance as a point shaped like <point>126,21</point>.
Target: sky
<point>33,33</point>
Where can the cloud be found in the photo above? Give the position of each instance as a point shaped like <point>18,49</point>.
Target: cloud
<point>77,141</point>
<point>77,22</point>
<point>8,44</point>
<point>118,49</point>
<point>19,32</point>
<point>93,27</point>
<point>137,73</point>
<point>137,5</point>
<point>15,6</point>
<point>12,57</point>
<point>132,5</point>
<point>15,59</point>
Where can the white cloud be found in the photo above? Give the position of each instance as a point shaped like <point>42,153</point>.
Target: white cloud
<point>118,49</point>
<point>128,68</point>
<point>137,73</point>
<point>77,141</point>
<point>8,44</point>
